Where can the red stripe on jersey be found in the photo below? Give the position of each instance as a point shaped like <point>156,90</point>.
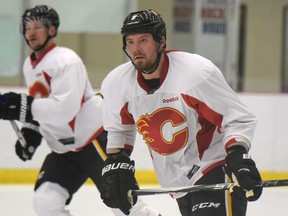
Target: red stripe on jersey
<point>205,171</point>
<point>72,122</point>
<point>208,119</point>
<point>93,137</point>
<point>231,141</point>
<point>126,117</point>
<point>47,78</point>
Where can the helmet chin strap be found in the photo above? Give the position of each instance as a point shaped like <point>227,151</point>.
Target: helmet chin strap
<point>155,65</point>
<point>42,46</point>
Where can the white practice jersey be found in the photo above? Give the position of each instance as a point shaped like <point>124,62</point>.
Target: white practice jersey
<point>69,113</point>
<point>186,122</point>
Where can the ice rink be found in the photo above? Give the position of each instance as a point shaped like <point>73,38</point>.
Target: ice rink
<point>16,200</point>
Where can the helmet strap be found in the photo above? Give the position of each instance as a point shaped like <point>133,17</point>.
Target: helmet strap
<point>124,49</point>
<point>159,53</point>
<point>156,65</point>
<point>44,44</point>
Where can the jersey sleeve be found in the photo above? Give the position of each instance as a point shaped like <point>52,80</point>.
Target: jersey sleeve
<point>116,117</point>
<point>67,90</point>
<point>230,115</point>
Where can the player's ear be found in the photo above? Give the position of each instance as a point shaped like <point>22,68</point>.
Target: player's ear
<point>52,31</point>
<point>163,43</point>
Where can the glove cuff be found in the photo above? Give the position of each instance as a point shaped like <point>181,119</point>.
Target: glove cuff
<point>34,125</point>
<point>25,108</point>
<point>236,157</point>
<point>120,164</point>
<point>240,148</point>
<point>31,133</point>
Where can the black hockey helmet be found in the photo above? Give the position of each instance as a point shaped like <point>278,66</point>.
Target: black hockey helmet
<point>45,13</point>
<point>145,21</point>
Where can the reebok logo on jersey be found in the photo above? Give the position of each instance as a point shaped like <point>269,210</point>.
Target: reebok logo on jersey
<point>205,205</point>
<point>170,100</point>
<point>39,74</point>
<point>115,166</point>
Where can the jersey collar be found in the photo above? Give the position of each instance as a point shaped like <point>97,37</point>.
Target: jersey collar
<point>164,72</point>
<point>35,61</point>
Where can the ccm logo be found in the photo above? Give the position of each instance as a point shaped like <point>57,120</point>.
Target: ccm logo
<point>169,100</point>
<point>115,166</point>
<point>205,205</point>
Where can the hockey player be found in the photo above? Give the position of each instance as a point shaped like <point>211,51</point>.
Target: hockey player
<point>62,109</point>
<point>191,120</point>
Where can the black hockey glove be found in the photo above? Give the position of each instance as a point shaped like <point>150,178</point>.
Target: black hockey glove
<point>242,170</point>
<point>118,179</point>
<point>15,106</point>
<point>33,139</point>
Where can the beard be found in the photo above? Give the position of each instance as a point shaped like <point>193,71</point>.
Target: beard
<point>146,66</point>
<point>37,47</point>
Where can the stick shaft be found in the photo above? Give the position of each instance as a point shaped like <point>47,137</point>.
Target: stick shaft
<point>212,187</point>
<point>18,133</point>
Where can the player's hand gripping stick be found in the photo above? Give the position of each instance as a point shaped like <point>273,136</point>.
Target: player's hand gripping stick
<point>118,179</point>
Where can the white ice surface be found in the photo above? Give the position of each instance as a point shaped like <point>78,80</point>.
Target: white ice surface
<point>16,200</point>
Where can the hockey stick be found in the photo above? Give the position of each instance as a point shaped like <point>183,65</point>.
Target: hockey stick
<point>16,129</point>
<point>194,188</point>
<point>18,133</point>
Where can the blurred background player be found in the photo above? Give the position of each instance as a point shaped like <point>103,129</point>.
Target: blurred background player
<point>191,120</point>
<point>61,107</point>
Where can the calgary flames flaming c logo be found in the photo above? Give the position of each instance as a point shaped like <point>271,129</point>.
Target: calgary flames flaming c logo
<point>38,90</point>
<point>165,130</point>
